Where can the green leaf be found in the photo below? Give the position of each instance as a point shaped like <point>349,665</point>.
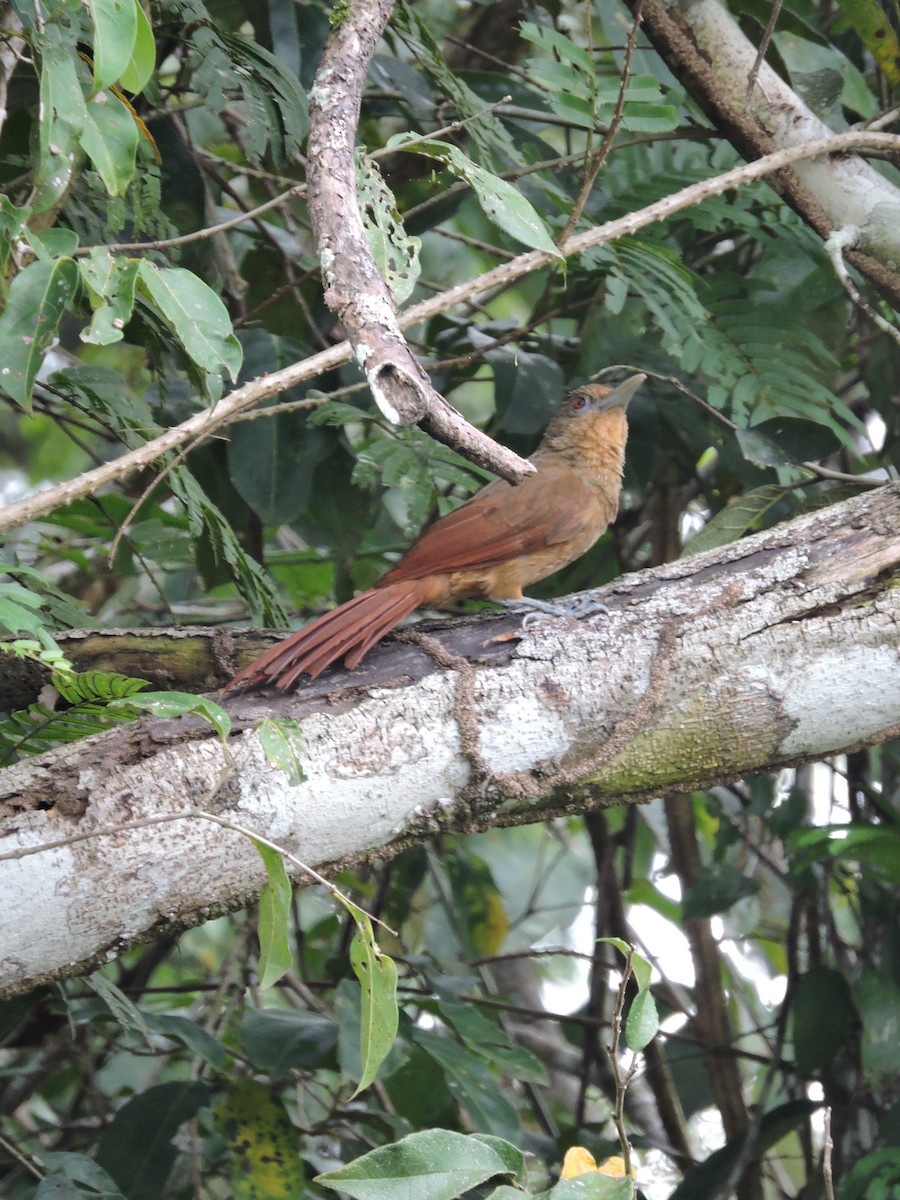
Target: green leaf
<point>63,112</point>
<point>262,1143</point>
<point>167,705</point>
<point>38,298</point>
<point>79,687</point>
<point>396,254</point>
<point>136,1147</point>
<point>52,243</point>
<point>115,31</point>
<point>471,1083</point>
<point>67,1171</point>
<point>877,997</point>
<point>877,847</point>
<point>209,526</point>
<point>500,201</point>
<point>822,1013</point>
<point>642,1022</point>
<point>592,1187</point>
<point>282,744</point>
<point>437,1164</point>
<point>278,1040</point>
<point>377,975</point>
<point>110,137</point>
<point>125,1012</point>
<point>275,957</point>
<point>641,969</point>
<point>195,315</point>
<point>714,891</point>
<point>110,281</point>
<point>798,440</point>
<point>738,516</point>
<point>873,25</point>
<point>491,1042</point>
<point>620,944</point>
<point>20,610</point>
<point>552,42</point>
<point>190,1034</point>
<point>140,67</point>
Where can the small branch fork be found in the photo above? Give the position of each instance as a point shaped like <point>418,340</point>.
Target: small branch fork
<point>354,288</point>
<point>621,1078</point>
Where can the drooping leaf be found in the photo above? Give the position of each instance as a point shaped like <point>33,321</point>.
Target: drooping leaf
<point>822,1012</point>
<point>139,69</point>
<point>195,315</point>
<point>396,254</point>
<point>282,744</point>
<point>714,891</point>
<point>137,1149</point>
<point>115,32</point>
<point>379,1013</point>
<point>472,1084</point>
<point>124,1010</point>
<point>111,283</point>
<point>739,516</point>
<point>38,298</point>
<point>709,1176</point>
<point>191,1034</point>
<point>642,1021</point>
<point>169,705</point>
<point>275,956</point>
<point>278,1040</point>
<point>500,201</point>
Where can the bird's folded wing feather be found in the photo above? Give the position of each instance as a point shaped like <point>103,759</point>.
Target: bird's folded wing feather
<point>499,524</point>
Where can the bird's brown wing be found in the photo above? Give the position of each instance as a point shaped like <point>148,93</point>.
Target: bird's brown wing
<point>500,523</point>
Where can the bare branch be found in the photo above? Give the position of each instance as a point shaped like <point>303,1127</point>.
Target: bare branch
<point>354,288</point>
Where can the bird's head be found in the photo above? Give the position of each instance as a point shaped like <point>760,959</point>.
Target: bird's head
<point>592,410</point>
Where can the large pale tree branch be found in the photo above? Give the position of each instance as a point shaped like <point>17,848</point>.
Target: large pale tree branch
<point>204,424</point>
<point>703,45</point>
<point>779,649</point>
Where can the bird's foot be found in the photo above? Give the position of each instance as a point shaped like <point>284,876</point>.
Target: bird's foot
<point>578,607</point>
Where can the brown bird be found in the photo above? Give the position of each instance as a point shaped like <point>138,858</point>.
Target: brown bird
<point>489,548</point>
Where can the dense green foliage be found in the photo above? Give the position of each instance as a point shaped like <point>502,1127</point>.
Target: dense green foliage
<point>172,1074</point>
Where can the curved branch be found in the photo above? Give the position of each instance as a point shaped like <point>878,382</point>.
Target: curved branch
<point>204,424</point>
<point>354,288</point>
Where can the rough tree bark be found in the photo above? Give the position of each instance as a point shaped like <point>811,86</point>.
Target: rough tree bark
<point>703,45</point>
<point>354,288</point>
<point>779,649</point>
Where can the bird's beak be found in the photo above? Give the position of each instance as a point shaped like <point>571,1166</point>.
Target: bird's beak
<point>620,396</point>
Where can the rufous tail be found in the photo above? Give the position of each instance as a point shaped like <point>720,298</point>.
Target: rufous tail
<point>350,630</point>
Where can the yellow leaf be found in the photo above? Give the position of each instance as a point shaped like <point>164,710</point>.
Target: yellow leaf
<point>578,1161</point>
<point>614,1167</point>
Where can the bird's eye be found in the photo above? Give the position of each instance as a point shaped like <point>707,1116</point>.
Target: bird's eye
<point>578,403</point>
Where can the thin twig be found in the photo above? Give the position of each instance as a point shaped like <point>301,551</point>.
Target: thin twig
<point>621,1081</point>
<point>602,154</point>
<point>208,231</point>
<point>762,51</point>
<point>835,245</point>
<point>827,1152</point>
